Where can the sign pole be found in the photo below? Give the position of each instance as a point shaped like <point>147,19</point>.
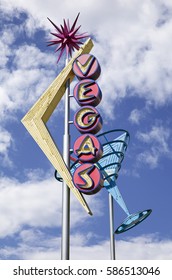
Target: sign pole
<point>111,220</point>
<point>65,252</point>
<point>66,38</point>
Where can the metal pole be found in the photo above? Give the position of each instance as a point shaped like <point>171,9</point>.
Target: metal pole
<point>111,220</point>
<point>65,252</point>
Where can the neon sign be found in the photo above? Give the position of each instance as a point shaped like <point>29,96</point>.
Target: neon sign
<point>87,92</point>
<point>87,177</point>
<point>86,66</point>
<point>88,148</point>
<point>88,120</point>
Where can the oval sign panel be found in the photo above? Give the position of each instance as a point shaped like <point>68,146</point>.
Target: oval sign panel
<point>88,179</point>
<point>87,92</point>
<point>88,148</point>
<point>86,66</point>
<point>88,120</point>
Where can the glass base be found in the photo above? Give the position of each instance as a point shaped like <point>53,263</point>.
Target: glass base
<point>132,220</point>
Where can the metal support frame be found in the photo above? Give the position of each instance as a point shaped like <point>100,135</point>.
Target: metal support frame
<point>120,153</point>
<point>111,223</point>
<point>65,245</point>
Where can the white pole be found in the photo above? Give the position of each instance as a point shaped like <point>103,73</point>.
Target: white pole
<point>65,252</point>
<point>111,221</point>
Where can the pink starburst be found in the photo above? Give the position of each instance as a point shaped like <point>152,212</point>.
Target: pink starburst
<point>67,38</point>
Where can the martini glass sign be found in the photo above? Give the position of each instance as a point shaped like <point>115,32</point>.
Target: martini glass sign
<point>98,164</point>
<point>88,149</point>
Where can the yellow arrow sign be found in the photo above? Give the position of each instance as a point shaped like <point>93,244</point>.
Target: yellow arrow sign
<point>35,122</point>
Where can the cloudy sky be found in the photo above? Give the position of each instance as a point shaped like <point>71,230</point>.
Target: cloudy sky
<point>132,42</point>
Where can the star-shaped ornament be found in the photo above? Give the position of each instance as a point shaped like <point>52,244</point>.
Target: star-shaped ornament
<point>67,38</point>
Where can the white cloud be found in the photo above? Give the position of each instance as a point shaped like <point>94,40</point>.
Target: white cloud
<point>26,71</point>
<point>34,245</point>
<point>37,203</point>
<point>7,38</point>
<point>4,53</point>
<point>6,141</point>
<point>145,247</point>
<point>150,158</point>
<point>31,74</point>
<point>137,50</point>
<point>31,25</point>
<point>30,57</point>
<point>157,139</point>
<point>32,203</point>
<point>158,134</point>
<point>135,116</point>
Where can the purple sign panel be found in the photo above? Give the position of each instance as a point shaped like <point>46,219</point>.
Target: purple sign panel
<point>87,177</point>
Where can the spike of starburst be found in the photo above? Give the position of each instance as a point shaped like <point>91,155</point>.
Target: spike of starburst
<point>54,25</point>
<point>73,26</point>
<point>66,37</point>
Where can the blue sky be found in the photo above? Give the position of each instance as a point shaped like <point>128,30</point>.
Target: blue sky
<point>132,42</point>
